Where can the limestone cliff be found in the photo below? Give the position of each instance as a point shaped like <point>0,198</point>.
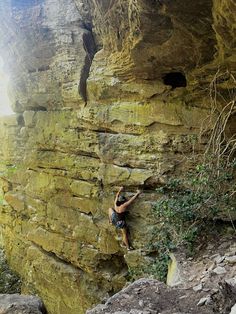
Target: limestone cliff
<point>106,93</point>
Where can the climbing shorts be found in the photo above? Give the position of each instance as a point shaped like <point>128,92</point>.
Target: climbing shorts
<point>116,221</point>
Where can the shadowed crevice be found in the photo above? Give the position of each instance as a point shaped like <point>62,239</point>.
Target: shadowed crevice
<point>175,79</point>
<point>90,49</point>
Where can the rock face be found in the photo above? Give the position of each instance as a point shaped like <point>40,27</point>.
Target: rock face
<point>53,45</point>
<point>106,93</point>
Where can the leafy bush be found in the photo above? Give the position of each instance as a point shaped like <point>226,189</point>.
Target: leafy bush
<point>186,209</point>
<point>188,205</point>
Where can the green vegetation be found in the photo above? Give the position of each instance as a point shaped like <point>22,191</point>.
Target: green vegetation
<point>9,281</point>
<point>6,170</point>
<point>187,208</point>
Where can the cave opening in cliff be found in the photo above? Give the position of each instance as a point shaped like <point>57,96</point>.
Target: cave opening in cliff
<point>175,79</point>
<point>5,108</point>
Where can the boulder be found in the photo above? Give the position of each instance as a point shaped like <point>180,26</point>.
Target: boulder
<point>21,304</point>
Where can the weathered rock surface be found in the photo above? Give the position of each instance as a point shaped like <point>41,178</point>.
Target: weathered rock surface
<point>147,296</point>
<point>53,50</point>
<point>201,290</point>
<point>19,304</point>
<point>210,276</point>
<point>106,93</point>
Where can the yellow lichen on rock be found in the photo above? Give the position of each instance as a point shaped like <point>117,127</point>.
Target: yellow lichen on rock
<point>86,124</point>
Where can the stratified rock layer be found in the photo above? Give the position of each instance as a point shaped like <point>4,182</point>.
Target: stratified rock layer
<point>106,93</point>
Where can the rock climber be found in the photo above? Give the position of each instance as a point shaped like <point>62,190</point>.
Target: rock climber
<point>117,214</point>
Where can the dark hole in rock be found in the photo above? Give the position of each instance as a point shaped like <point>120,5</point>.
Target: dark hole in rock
<point>20,120</point>
<point>175,79</point>
<point>37,108</point>
<point>31,70</point>
<point>43,68</point>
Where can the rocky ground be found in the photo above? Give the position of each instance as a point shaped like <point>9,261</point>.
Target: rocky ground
<point>206,284</point>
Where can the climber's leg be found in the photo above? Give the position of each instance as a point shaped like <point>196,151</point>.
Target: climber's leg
<point>110,211</point>
<point>125,237</point>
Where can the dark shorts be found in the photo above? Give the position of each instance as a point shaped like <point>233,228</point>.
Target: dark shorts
<point>116,221</point>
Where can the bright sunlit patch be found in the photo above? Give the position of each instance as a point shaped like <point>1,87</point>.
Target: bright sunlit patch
<point>5,108</point>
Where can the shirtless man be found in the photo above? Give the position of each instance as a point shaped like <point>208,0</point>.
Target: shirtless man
<point>117,214</point>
